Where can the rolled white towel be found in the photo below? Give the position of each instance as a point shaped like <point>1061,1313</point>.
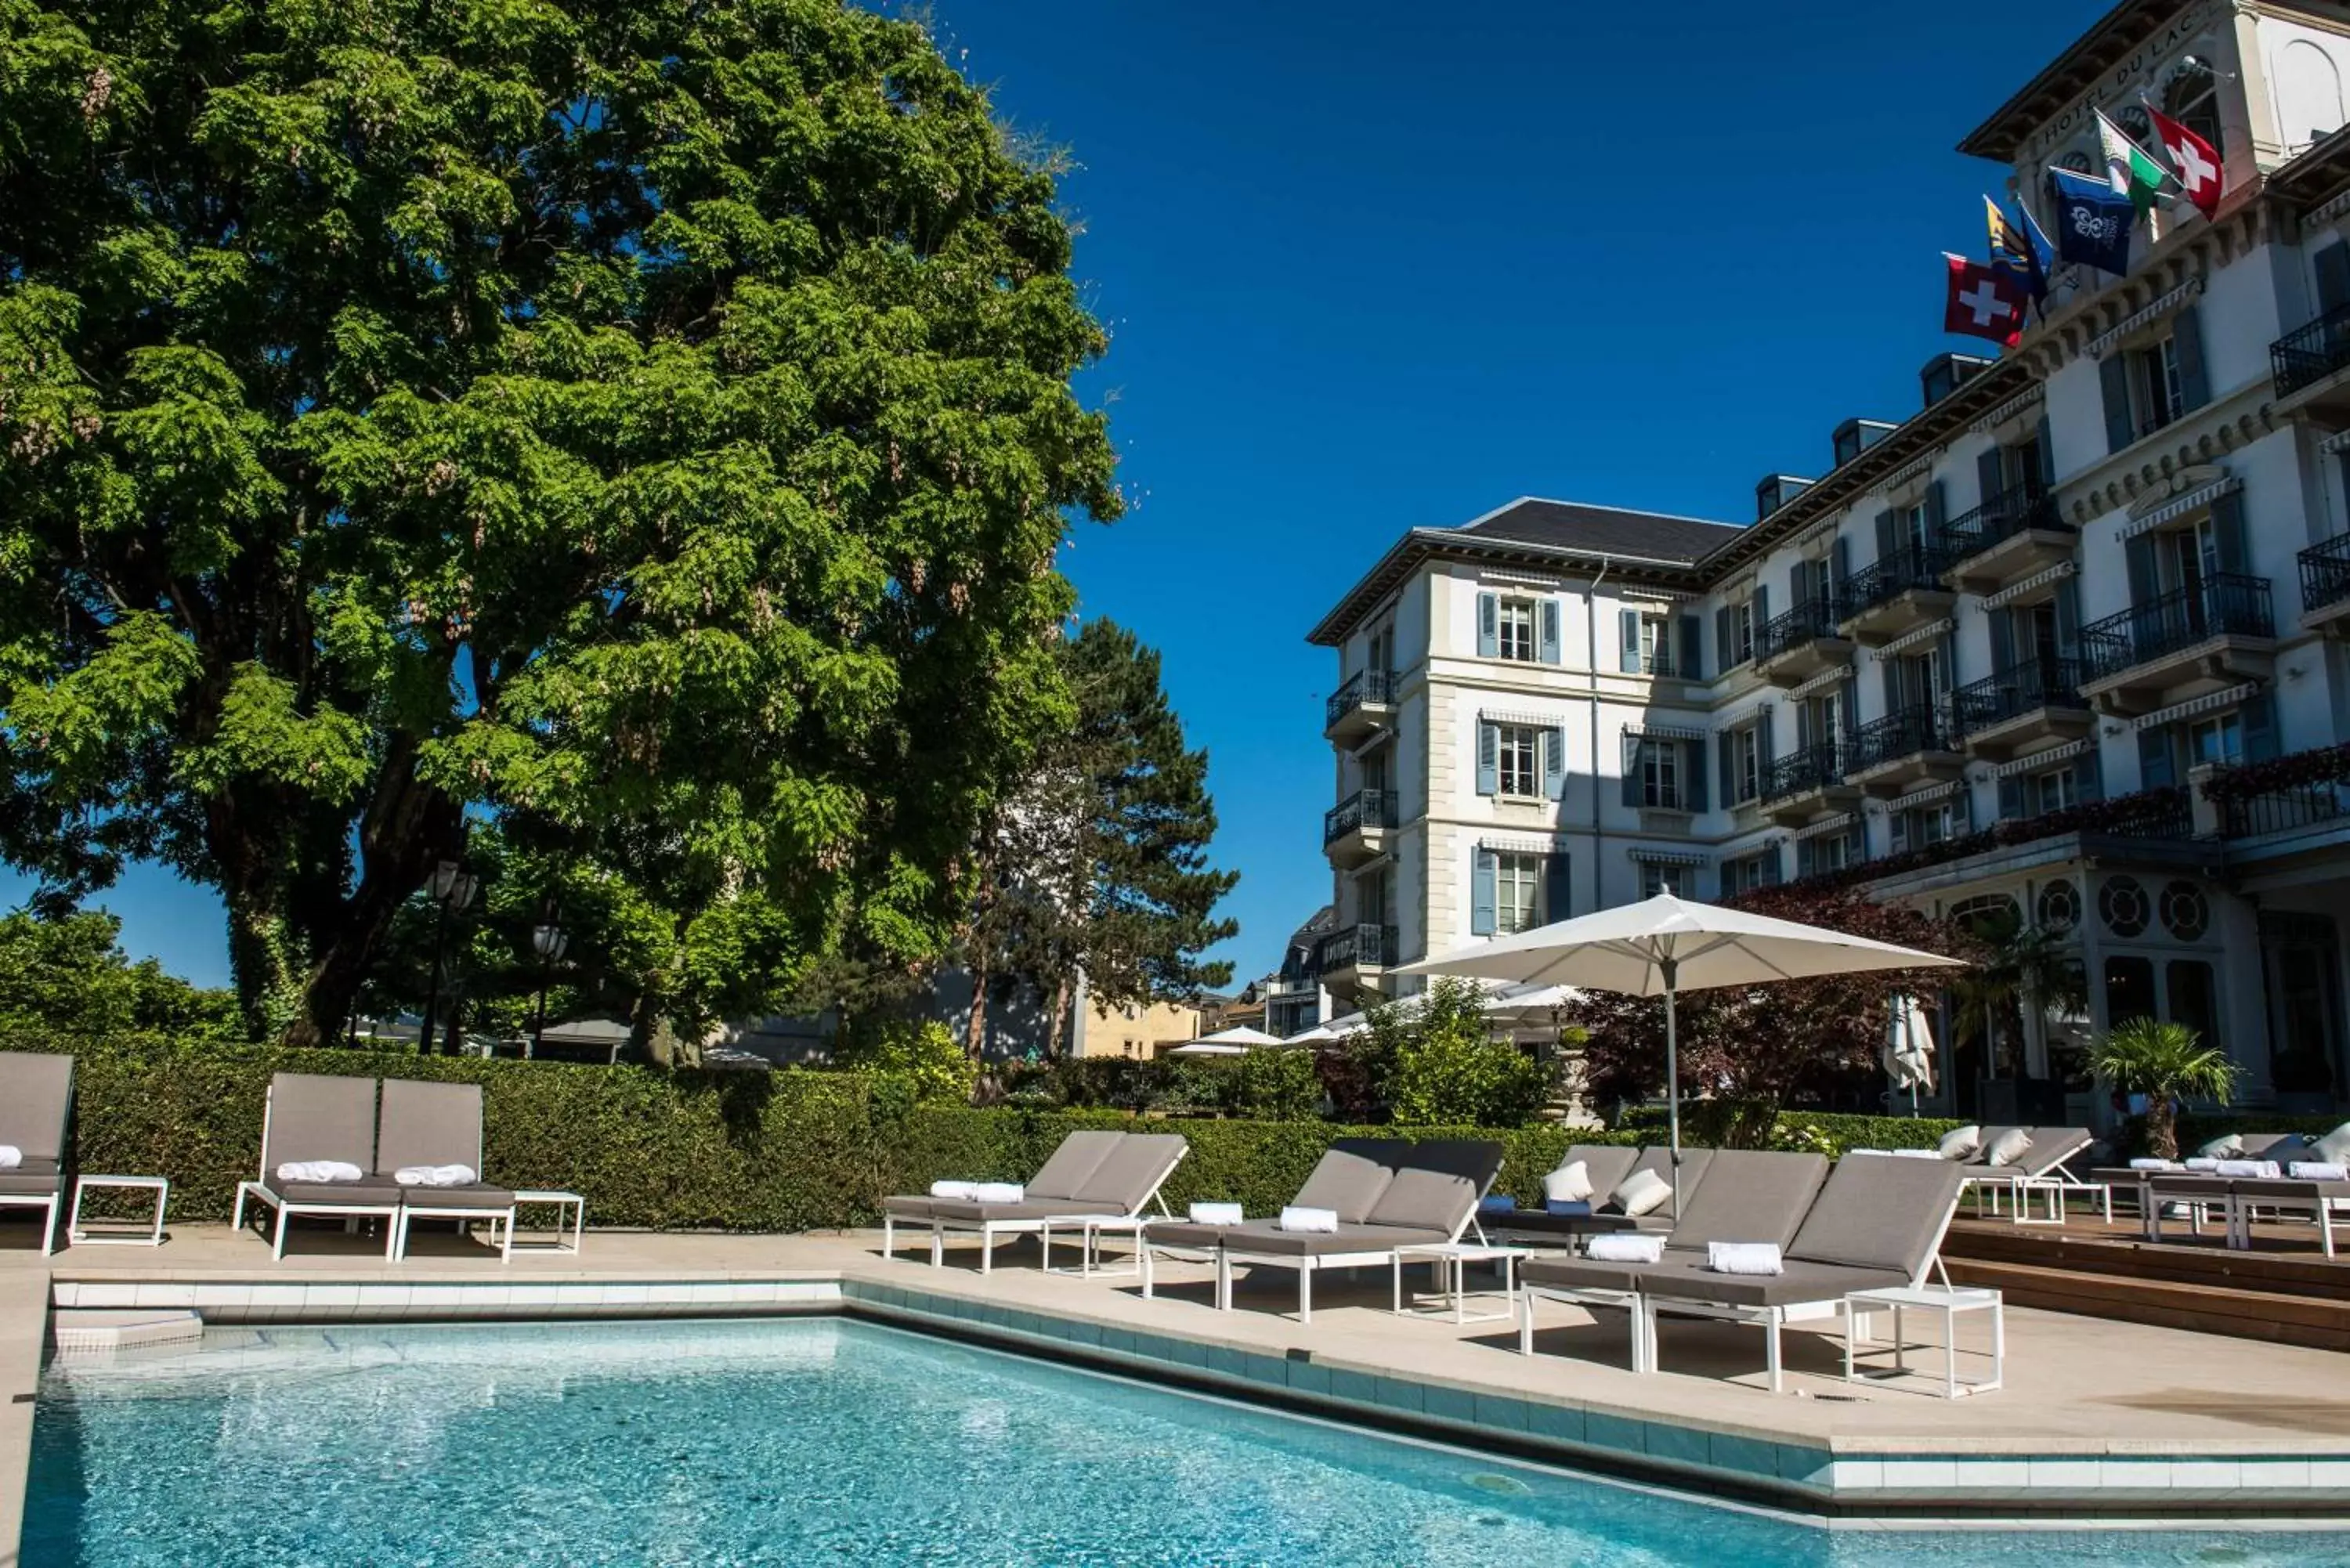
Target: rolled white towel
<point>1869,1151</point>
<point>998,1191</point>
<point>2249,1169</point>
<point>1626,1247</point>
<point>962,1189</point>
<point>2318,1170</point>
<point>434,1176</point>
<point>319,1170</point>
<point>11,1157</point>
<point>1215,1213</point>
<point>1746,1257</point>
<point>1917,1154</point>
<point>1315,1222</point>
<point>2203,1162</point>
<point>2156,1165</point>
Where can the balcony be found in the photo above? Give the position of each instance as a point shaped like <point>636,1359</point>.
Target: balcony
<point>2010,535</point>
<point>1806,784</point>
<point>1354,958</point>
<point>2311,367</point>
<point>1355,831</point>
<point>2022,708</point>
<point>2325,584</point>
<point>1792,648</point>
<point>1904,751</point>
<point>2188,642</point>
<point>1897,594</point>
<point>1363,704</point>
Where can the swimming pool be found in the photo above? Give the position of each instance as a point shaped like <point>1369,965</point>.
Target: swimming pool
<point>829,1441</point>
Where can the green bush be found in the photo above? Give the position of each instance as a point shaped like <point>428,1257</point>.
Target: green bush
<point>922,1053</point>
<point>1825,1132</point>
<point>1277,1087</point>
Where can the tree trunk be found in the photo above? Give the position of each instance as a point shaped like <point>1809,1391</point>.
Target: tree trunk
<point>974,1041</point>
<point>1052,1028</point>
<point>2161,1127</point>
<point>263,956</point>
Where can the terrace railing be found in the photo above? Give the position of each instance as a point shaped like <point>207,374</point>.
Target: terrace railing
<point>1889,578</point>
<point>1364,808</point>
<point>2226,604</point>
<point>2016,690</point>
<point>1361,687</point>
<point>2326,573</point>
<point>1359,946</point>
<point>1802,770</point>
<point>2000,517</point>
<point>1798,626</point>
<point>2308,354</point>
<point>1920,727</point>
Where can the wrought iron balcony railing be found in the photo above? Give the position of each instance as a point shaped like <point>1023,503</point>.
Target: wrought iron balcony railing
<point>1799,772</point>
<point>1358,947</point>
<point>2016,690</point>
<point>1922,727</point>
<point>2226,604</point>
<point>1906,568</point>
<point>1364,808</point>
<point>2307,355</point>
<point>1999,518</point>
<point>1361,687</point>
<point>2326,573</point>
<point>1796,627</point>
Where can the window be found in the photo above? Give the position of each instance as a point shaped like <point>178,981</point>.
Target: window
<point>1741,632</point>
<point>1518,759</point>
<point>2194,1001</point>
<point>1832,853</point>
<point>2156,398</point>
<point>1517,893</point>
<point>2130,989</point>
<point>2192,100</point>
<point>1661,770</point>
<point>2052,790</point>
<point>1655,645</point>
<point>1656,878</point>
<point>1745,764</point>
<point>1748,872</point>
<point>2219,741</point>
<point>1517,629</point>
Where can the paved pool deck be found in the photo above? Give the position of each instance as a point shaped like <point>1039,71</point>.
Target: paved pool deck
<point>2097,1417</point>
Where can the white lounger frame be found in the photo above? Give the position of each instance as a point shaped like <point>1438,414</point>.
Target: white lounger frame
<point>1304,1263</point>
<point>287,1210</point>
<point>48,1201</point>
<point>990,1231</point>
<point>2053,1182</point>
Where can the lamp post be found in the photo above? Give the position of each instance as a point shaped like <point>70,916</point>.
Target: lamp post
<point>453,887</point>
<point>548,941</point>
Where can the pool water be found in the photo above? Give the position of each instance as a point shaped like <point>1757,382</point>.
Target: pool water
<point>822,1440</point>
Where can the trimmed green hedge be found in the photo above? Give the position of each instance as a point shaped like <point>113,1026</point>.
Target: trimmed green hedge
<point>1829,1132</point>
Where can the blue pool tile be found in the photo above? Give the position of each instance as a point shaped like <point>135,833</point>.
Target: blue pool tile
<point>1452,1404</point>
<point>1602,1430</point>
<point>1748,1456</point>
<point>1398,1393</point>
<point>1187,1352</point>
<point>1077,1332</point>
<point>1359,1387</point>
<point>1120,1340</point>
<point>1809,1466</point>
<point>1682,1444</point>
<point>1225,1360</point>
<point>1501,1410</point>
<point>1308,1378</point>
<point>1269,1369</point>
<point>1564,1422</point>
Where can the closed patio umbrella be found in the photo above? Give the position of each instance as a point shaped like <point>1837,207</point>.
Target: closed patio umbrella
<point>1910,1049</point>
<point>1663,946</point>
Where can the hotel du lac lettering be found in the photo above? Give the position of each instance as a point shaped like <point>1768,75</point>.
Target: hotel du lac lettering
<point>2120,85</point>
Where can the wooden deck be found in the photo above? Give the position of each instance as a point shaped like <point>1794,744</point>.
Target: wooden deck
<point>2281,1289</point>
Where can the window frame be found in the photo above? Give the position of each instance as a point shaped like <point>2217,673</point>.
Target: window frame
<point>1515,614</point>
<point>1506,737</point>
<point>1521,872</point>
<point>1745,764</point>
<point>1656,878</point>
<point>1660,775</point>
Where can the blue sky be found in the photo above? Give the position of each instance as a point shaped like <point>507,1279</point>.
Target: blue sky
<point>1382,265</point>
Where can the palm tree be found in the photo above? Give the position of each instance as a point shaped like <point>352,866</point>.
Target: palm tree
<point>2166,1063</point>
<point>2021,969</point>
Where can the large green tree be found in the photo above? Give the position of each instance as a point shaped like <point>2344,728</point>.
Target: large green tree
<point>648,416</point>
<point>69,973</point>
<point>1098,869</point>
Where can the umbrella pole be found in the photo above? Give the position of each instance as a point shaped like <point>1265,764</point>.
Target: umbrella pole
<point>1672,1080</point>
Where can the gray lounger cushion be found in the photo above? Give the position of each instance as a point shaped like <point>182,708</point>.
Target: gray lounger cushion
<point>1879,1211</point>
<point>357,1194</point>
<point>1979,1161</point>
<point>1064,1174</point>
<point>1183,1233</point>
<point>33,1179</point>
<point>909,1207</point>
<point>1689,1280</point>
<point>1605,1163</point>
<point>2286,1189</point>
<point>473,1195</point>
<point>1348,1180</point>
<point>317,1115</point>
<point>956,1209</point>
<point>2051,1146</point>
<point>1748,1195</point>
<point>1658,1158</point>
<point>1436,1185</point>
<point>36,1102</point>
<point>1265,1236</point>
<point>1132,1171</point>
<point>429,1123</point>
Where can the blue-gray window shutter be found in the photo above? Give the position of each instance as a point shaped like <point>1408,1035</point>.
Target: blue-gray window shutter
<point>1481,895</point>
<point>1763,740</point>
<point>1629,623</point>
<point>1693,775</point>
<point>1553,764</point>
<point>2154,770</point>
<point>2002,641</point>
<point>2068,618</point>
<point>1886,523</point>
<point>2112,385</point>
<point>1632,770</point>
<point>1799,584</point>
<point>1762,610</point>
<point>1724,656</point>
<point>1548,644</point>
<point>1804,853</point>
<point>1936,515</point>
<point>1775,870</point>
<point>1692,648</point>
<point>2228,532</point>
<point>1557,895</point>
<point>1489,626</point>
<point>1988,480</point>
<point>2011,798</point>
<point>2187,349</point>
<point>2333,265</point>
<point>1489,758</point>
<point>2257,717</point>
<point>1729,755</point>
<point>2047,475</point>
<point>1839,565</point>
<point>2137,559</point>
<point>1898,830</point>
<point>2089,775</point>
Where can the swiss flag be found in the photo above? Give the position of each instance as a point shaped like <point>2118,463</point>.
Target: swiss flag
<point>1983,302</point>
<point>2197,160</point>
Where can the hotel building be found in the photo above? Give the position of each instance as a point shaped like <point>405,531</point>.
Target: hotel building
<point>2066,643</point>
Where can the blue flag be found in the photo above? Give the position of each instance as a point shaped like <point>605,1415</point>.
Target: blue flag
<point>2093,221</point>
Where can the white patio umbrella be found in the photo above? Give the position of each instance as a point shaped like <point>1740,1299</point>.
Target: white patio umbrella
<point>1237,1041</point>
<point>1663,946</point>
<point>1910,1049</point>
<point>1208,1048</point>
<point>1502,1000</point>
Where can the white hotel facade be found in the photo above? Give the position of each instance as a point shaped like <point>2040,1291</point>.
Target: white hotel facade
<point>2039,645</point>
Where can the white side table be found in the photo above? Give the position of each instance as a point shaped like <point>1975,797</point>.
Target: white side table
<point>150,1236</point>
<point>568,1206</point>
<point>1947,1301</point>
<point>1451,1261</point>
<point>1090,1228</point>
